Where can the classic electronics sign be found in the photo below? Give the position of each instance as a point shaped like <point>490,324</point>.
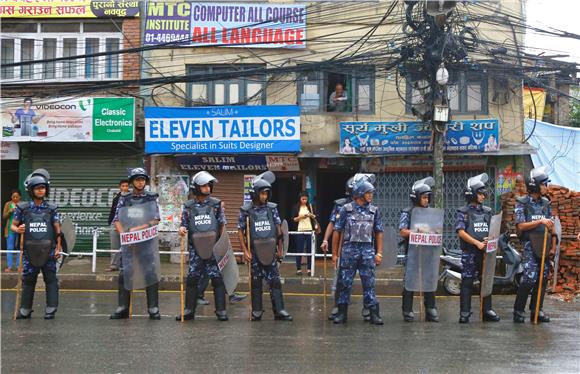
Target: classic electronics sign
<point>223,129</point>
<point>222,24</point>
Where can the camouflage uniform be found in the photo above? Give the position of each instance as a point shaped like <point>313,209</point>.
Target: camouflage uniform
<point>198,266</point>
<point>358,252</point>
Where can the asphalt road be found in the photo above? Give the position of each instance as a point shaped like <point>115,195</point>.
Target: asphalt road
<point>83,340</point>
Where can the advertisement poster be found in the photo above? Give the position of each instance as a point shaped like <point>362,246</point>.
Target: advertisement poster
<point>69,8</point>
<point>85,119</point>
<point>172,190</point>
<point>222,24</point>
<point>223,129</point>
<point>248,187</point>
<point>415,137</point>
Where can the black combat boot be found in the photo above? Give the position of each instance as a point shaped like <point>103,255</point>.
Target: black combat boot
<point>51,285</point>
<point>365,314</point>
<point>280,313</point>
<point>219,293</point>
<point>342,315</point>
<point>489,315</point>
<point>191,291</point>
<point>465,300</point>
<point>334,310</point>
<point>257,308</point>
<point>375,316</point>
<point>541,316</point>
<point>520,303</point>
<point>27,297</point>
<point>408,315</point>
<point>153,301</point>
<point>431,313</point>
<point>124,300</point>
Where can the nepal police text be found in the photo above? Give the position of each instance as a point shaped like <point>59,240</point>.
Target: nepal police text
<point>38,227</point>
<point>480,227</point>
<point>263,226</point>
<point>202,219</point>
<point>222,128</point>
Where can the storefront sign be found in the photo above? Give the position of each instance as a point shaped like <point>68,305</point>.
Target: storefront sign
<point>222,24</point>
<point>9,151</point>
<point>506,181</point>
<point>85,119</point>
<point>239,163</point>
<point>68,8</point>
<point>415,137</point>
<point>223,129</point>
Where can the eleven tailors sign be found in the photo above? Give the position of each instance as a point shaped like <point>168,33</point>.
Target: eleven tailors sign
<point>69,8</point>
<point>224,24</point>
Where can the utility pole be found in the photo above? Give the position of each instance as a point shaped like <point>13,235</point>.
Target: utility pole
<point>438,47</point>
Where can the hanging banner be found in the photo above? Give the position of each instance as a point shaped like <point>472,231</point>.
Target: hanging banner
<point>85,119</point>
<point>223,129</point>
<point>69,8</point>
<point>415,137</point>
<point>9,151</point>
<point>223,24</point>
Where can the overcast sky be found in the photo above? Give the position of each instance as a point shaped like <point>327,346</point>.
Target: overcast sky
<point>559,14</point>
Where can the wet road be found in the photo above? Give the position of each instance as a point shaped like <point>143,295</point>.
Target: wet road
<point>82,339</point>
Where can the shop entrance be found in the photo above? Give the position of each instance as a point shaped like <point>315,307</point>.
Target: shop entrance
<point>330,186</point>
<point>285,193</point>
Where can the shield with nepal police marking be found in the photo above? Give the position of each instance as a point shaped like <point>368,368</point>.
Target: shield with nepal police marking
<point>227,264</point>
<point>490,255</point>
<point>139,245</point>
<point>425,243</point>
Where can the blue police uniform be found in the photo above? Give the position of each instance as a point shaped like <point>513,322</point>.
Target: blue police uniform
<point>29,271</point>
<point>528,210</point>
<point>197,266</point>
<point>358,224</point>
<point>471,257</point>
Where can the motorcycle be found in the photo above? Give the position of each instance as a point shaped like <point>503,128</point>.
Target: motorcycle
<point>452,267</point>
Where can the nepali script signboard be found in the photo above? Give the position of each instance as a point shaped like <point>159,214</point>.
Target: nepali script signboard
<point>410,137</point>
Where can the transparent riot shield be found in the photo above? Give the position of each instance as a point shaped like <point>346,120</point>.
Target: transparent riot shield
<point>490,255</point>
<point>226,261</point>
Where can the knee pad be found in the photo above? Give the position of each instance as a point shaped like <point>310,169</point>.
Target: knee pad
<point>276,284</point>
<point>30,280</point>
<point>217,282</point>
<point>50,277</point>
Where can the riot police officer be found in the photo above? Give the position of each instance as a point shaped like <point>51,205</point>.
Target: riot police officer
<point>203,219</point>
<point>358,233</point>
<point>261,218</point>
<point>39,221</point>
<point>532,215</point>
<point>338,203</point>
<point>472,226</point>
<point>142,260</point>
<point>420,197</point>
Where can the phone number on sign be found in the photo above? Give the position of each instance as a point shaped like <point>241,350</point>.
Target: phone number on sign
<point>165,38</point>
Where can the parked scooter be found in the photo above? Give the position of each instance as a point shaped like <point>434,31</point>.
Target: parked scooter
<point>452,267</point>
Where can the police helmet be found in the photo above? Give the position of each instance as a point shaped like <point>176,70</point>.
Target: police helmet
<point>136,173</point>
<point>200,179</point>
<point>420,187</point>
<point>363,183</point>
<point>476,185</point>
<point>537,177</point>
<point>348,186</point>
<point>262,182</point>
<point>33,181</point>
<point>41,172</point>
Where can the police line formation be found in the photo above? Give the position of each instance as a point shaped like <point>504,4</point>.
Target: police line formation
<point>359,242</point>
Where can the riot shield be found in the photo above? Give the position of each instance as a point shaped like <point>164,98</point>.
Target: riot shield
<point>390,247</point>
<point>488,270</point>
<point>265,249</point>
<point>204,242</point>
<point>226,261</point>
<point>115,239</point>
<point>139,245</point>
<point>537,241</point>
<point>68,230</point>
<point>425,242</point>
<point>285,238</point>
<point>558,232</point>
